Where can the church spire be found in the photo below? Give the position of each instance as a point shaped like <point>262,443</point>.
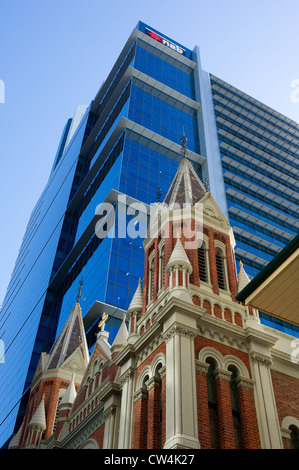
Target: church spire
<point>71,337</point>
<point>186,186</point>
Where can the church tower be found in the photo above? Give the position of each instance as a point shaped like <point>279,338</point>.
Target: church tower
<point>54,385</point>
<point>190,367</point>
<point>189,290</point>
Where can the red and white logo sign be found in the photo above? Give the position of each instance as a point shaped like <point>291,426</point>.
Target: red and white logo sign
<point>164,41</point>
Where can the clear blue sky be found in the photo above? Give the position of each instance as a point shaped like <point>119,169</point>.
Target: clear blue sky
<point>54,55</point>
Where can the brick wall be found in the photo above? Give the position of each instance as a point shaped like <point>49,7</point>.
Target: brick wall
<point>201,342</point>
<point>248,415</point>
<point>286,391</point>
<point>98,435</point>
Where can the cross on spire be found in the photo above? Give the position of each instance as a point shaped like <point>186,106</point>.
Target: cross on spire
<point>206,184</point>
<point>79,293</point>
<point>159,194</point>
<point>184,151</point>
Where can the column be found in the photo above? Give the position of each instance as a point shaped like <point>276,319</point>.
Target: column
<point>110,427</point>
<point>181,409</point>
<point>162,373</point>
<point>124,440</point>
<point>267,412</point>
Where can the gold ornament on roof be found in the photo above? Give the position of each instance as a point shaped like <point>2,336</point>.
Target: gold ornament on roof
<point>101,325</point>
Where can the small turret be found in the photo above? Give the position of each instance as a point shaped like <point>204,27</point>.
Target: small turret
<point>133,312</point>
<point>179,269</point>
<point>37,426</point>
<point>121,338</point>
<point>243,278</point>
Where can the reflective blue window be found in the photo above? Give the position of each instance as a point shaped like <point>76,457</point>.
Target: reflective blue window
<point>163,118</point>
<point>279,324</point>
<point>165,69</point>
<point>145,170</point>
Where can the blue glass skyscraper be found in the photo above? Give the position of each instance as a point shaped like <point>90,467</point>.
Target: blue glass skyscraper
<point>123,148</point>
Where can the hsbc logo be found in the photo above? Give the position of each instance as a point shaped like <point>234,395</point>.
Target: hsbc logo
<point>165,42</point>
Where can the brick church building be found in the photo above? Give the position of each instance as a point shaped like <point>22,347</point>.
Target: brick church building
<point>190,367</point>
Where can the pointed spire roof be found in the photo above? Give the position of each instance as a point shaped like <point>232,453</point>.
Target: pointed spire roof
<point>71,337</point>
<point>70,394</point>
<point>15,442</point>
<point>39,417</point>
<point>122,335</point>
<point>137,300</point>
<point>243,278</point>
<point>186,186</point>
<point>179,257</point>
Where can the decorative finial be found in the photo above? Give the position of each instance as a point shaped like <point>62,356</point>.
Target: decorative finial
<point>101,325</point>
<point>159,194</point>
<point>184,151</point>
<point>79,293</point>
<point>206,185</point>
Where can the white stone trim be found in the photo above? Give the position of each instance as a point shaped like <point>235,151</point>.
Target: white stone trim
<point>90,444</point>
<point>285,426</point>
<point>209,352</point>
<point>145,371</point>
<point>223,362</point>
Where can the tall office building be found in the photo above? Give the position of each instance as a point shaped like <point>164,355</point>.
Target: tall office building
<point>125,148</point>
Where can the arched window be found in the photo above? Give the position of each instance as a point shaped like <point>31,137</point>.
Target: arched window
<point>220,266</point>
<point>144,413</point>
<point>161,265</point>
<point>151,263</point>
<point>212,404</point>
<point>202,263</point>
<point>294,437</point>
<point>159,404</point>
<point>236,409</point>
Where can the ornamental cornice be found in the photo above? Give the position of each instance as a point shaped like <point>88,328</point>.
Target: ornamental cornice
<point>179,330</point>
<point>126,376</point>
<point>111,411</point>
<point>201,366</point>
<point>141,393</point>
<point>245,382</point>
<point>88,426</point>
<point>222,374</point>
<point>35,427</point>
<point>162,372</point>
<point>146,348</point>
<point>286,433</point>
<point>106,390</point>
<point>261,360</point>
<point>205,292</point>
<point>153,382</point>
<point>223,332</point>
